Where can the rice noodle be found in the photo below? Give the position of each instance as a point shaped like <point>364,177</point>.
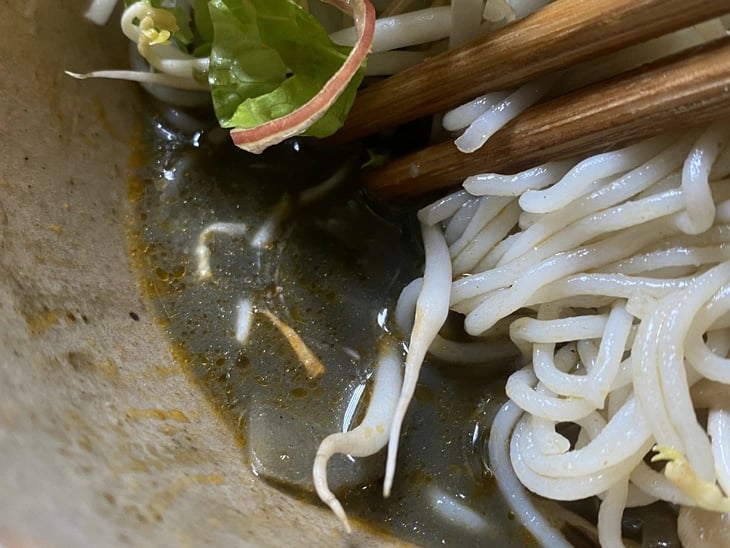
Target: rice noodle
<point>622,275</point>
<point>515,185</point>
<point>579,178</point>
<point>244,320</point>
<point>615,270</point>
<point>502,12</point>
<point>517,497</point>
<point>610,514</point>
<point>502,112</point>
<point>99,11</point>
<point>598,248</point>
<point>202,249</point>
<point>370,436</point>
<point>700,208</point>
<point>462,116</point>
<point>432,307</point>
<point>402,31</point>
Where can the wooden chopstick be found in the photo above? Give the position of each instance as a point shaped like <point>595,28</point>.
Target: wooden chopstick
<point>561,34</point>
<point>689,88</point>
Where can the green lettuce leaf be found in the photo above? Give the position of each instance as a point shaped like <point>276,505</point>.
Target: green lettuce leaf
<point>268,58</point>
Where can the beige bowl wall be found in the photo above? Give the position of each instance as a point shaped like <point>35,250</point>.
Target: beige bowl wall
<point>104,441</point>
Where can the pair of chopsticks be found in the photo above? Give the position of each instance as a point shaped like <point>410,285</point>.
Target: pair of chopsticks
<point>685,89</point>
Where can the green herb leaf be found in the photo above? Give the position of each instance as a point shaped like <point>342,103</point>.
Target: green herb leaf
<point>203,24</point>
<point>269,57</point>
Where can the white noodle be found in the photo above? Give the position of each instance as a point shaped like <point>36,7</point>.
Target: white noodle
<point>699,352</point>
<point>660,380</point>
<point>514,185</point>
<point>477,353</point>
<point>518,499</point>
<point>516,293</point>
<point>488,208</point>
<point>202,249</point>
<point>460,220</point>
<point>443,208</point>
<point>670,257</point>
<point>627,265</point>
<point>100,11</point>
<point>718,427</point>
<point>560,330</point>
<point>478,247</point>
<point>610,514</point>
<point>244,320</point>
<point>370,436</point>
<point>462,116</point>
<point>401,31</point>
<point>699,204</point>
<point>432,308</point>
<point>405,308</point>
<point>498,10</point>
<point>456,513</point>
<point>610,193</point>
<point>578,179</point>
<point>499,114</point>
<point>521,390</point>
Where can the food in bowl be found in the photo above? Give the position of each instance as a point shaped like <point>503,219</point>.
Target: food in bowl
<point>607,274</point>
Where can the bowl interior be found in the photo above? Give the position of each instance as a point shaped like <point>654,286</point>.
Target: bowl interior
<point>105,440</point>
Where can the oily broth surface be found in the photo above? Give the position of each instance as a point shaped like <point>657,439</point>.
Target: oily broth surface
<point>333,273</point>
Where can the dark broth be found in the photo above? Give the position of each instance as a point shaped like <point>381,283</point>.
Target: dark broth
<point>333,272</point>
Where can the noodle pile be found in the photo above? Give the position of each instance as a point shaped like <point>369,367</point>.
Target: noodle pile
<point>613,275</point>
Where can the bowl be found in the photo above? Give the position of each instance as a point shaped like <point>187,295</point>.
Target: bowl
<point>105,440</point>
